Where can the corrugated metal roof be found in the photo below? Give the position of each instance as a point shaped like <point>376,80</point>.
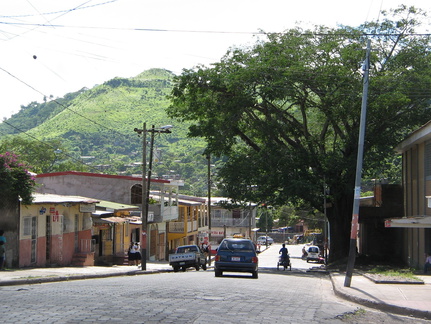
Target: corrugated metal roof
<point>101,212</point>
<point>115,206</point>
<point>116,219</point>
<point>182,201</point>
<point>60,199</point>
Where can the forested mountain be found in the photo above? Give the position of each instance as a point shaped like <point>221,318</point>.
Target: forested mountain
<point>96,126</point>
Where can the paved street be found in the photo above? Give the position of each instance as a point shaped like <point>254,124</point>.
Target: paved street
<point>187,297</point>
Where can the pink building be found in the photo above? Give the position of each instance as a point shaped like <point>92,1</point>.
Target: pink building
<point>56,230</point>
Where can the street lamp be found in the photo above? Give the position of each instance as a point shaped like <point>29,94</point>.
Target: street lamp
<point>146,186</point>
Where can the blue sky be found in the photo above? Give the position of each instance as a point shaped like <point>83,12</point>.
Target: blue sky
<point>83,43</point>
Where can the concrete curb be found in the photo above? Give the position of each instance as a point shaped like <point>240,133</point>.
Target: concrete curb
<point>405,311</point>
<point>31,281</point>
<point>401,282</point>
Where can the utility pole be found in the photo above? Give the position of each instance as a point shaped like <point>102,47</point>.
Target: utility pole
<point>357,192</point>
<point>209,208</point>
<point>144,208</point>
<point>146,185</point>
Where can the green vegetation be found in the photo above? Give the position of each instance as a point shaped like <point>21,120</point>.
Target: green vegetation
<point>393,272</point>
<point>357,314</point>
<point>279,119</point>
<point>15,180</point>
<point>285,113</point>
<point>93,130</point>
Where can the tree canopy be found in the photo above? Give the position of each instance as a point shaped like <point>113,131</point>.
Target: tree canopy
<point>286,111</point>
<point>43,156</point>
<point>15,180</point>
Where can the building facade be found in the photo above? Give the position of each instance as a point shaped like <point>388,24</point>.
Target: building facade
<point>163,195</point>
<point>54,230</point>
<point>416,222</point>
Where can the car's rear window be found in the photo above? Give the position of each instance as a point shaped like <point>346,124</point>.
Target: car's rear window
<point>187,249</point>
<point>232,245</point>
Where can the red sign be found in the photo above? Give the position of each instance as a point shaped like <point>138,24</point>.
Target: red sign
<point>388,223</point>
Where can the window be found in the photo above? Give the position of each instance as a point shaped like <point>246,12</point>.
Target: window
<point>27,226</point>
<point>236,213</point>
<point>217,213</point>
<point>136,194</point>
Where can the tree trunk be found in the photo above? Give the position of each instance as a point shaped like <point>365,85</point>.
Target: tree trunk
<point>340,219</point>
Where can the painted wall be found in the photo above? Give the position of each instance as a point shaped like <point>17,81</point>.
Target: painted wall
<point>99,186</point>
<point>50,234</point>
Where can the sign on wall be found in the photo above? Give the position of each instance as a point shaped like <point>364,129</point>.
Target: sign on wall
<point>87,208</point>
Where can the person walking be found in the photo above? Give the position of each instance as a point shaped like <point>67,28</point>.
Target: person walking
<point>132,254</point>
<point>136,253</point>
<point>427,262</point>
<point>3,248</point>
<point>2,254</point>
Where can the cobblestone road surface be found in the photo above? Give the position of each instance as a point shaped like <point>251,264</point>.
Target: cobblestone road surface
<point>190,297</point>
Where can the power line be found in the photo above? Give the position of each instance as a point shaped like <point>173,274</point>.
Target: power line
<point>210,31</point>
<point>60,104</point>
<point>81,7</point>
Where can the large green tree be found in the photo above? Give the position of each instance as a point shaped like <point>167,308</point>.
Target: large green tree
<point>44,156</point>
<point>286,111</point>
<point>15,180</point>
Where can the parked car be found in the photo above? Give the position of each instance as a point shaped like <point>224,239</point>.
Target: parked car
<point>236,255</point>
<point>262,240</point>
<point>313,253</point>
<point>187,256</point>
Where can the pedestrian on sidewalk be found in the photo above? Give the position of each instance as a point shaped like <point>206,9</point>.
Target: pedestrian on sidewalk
<point>131,254</point>
<point>135,254</point>
<point>3,239</point>
<point>427,262</point>
<point>2,254</point>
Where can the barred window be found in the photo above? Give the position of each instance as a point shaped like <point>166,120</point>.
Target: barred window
<point>27,226</point>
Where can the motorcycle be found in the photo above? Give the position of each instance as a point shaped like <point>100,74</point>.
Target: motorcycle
<point>284,262</point>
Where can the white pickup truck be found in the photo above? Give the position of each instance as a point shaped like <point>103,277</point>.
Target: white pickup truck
<point>188,256</point>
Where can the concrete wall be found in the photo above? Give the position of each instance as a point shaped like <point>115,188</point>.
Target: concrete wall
<point>99,186</point>
<point>58,246</point>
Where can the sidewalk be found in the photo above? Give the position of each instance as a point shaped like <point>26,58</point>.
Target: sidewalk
<point>40,275</point>
<point>405,299</point>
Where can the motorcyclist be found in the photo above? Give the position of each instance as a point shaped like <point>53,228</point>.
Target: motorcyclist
<point>284,253</point>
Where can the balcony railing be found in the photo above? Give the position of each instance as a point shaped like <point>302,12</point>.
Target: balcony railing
<point>178,227</point>
<point>230,222</point>
<point>163,214</point>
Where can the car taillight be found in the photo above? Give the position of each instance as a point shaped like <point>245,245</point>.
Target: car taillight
<point>217,258</point>
<point>254,259</point>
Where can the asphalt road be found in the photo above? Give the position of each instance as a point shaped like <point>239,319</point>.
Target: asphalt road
<point>187,297</point>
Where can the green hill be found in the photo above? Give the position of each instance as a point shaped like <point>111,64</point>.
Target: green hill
<point>96,127</point>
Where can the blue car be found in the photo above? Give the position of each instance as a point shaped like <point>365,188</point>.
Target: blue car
<point>236,255</point>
